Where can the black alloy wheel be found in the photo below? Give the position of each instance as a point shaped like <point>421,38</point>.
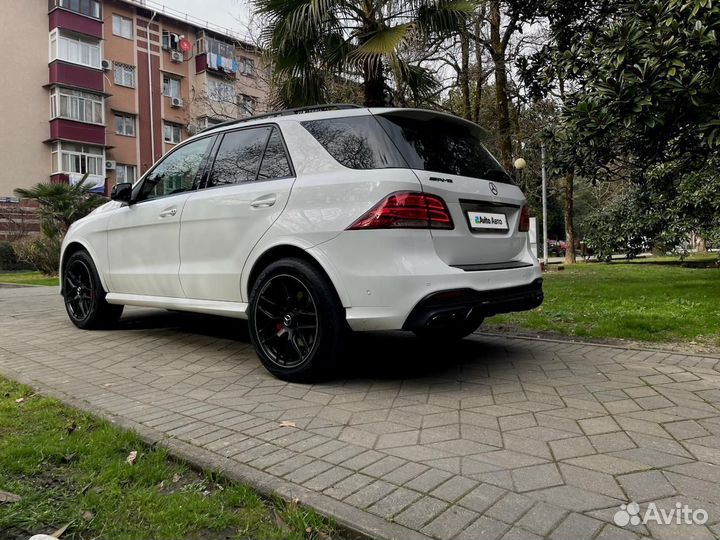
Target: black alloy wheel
<point>286,320</point>
<point>79,290</point>
<point>296,320</point>
<point>84,294</point>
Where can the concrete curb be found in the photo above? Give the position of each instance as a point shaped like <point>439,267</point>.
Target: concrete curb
<point>569,341</point>
<point>349,517</point>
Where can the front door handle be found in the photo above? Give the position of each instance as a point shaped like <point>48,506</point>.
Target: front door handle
<point>266,201</point>
<point>168,212</point>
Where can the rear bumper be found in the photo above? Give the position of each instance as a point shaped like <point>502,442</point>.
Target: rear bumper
<point>453,307</point>
<point>382,276</point>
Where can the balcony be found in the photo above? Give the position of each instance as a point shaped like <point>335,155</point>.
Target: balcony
<point>76,76</point>
<point>69,130</point>
<point>68,20</point>
<point>87,8</point>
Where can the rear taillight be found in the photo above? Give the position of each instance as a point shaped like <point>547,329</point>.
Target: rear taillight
<point>524,220</point>
<point>406,210</point>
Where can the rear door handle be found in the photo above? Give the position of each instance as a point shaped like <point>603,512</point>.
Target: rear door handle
<point>168,212</point>
<point>266,201</point>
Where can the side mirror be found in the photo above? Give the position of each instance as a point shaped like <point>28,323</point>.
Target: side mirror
<point>122,192</point>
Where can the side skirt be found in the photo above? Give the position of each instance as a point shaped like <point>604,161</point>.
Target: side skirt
<point>236,310</point>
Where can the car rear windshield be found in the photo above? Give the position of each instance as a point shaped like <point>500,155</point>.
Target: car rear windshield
<point>432,143</point>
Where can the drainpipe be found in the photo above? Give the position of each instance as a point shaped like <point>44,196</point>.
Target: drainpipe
<point>150,79</point>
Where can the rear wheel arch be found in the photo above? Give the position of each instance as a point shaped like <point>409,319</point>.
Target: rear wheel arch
<point>285,251</point>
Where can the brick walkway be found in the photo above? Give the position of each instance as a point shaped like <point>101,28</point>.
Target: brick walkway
<point>495,438</point>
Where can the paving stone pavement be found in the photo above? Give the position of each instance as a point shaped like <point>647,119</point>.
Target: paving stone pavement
<point>491,438</point>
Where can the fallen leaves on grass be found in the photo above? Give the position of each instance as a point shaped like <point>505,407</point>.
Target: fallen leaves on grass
<point>132,457</point>
<point>6,497</point>
<point>280,522</point>
<point>60,531</point>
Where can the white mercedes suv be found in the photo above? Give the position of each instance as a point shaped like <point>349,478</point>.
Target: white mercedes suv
<point>310,223</point>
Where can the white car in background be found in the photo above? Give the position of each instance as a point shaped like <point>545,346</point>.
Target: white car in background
<point>308,223</point>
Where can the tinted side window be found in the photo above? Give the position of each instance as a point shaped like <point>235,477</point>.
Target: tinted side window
<point>275,163</point>
<point>177,172</point>
<point>238,158</point>
<point>357,142</point>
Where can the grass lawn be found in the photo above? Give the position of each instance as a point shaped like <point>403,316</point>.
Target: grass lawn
<point>70,468</point>
<point>650,300</point>
<point>28,278</point>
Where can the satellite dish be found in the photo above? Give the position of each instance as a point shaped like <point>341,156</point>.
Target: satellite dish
<point>185,45</point>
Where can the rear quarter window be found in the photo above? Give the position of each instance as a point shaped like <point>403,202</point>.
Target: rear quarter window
<point>357,142</point>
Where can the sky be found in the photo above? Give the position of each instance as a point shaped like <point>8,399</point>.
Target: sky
<point>221,12</point>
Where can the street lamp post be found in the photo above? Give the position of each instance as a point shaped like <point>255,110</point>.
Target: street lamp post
<point>544,204</point>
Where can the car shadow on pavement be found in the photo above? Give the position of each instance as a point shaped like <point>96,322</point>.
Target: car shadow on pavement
<point>181,321</point>
<point>369,355</point>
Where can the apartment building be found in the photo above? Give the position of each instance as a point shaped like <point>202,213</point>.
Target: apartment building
<point>106,87</point>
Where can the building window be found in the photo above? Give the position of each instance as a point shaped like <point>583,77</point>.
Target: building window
<point>70,158</point>
<point>208,122</point>
<point>125,174</point>
<point>248,105</point>
<point>171,133</point>
<point>221,91</point>
<point>170,41</point>
<point>76,105</point>
<point>91,8</point>
<point>74,49</point>
<point>125,124</point>
<point>122,27</point>
<point>247,67</point>
<point>125,75</point>
<point>171,87</point>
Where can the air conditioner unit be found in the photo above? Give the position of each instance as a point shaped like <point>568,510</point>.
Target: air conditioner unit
<point>177,57</point>
<point>107,65</point>
<point>177,102</point>
<point>110,165</point>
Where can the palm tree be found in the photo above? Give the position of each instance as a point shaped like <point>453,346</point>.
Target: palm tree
<point>310,41</point>
<point>61,204</point>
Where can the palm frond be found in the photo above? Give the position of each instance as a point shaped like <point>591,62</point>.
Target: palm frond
<point>441,16</point>
<point>384,42</point>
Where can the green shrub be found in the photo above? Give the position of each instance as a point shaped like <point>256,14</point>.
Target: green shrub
<point>60,206</point>
<point>42,252</point>
<point>9,261</point>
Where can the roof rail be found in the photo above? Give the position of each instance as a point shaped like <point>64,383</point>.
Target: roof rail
<point>286,112</point>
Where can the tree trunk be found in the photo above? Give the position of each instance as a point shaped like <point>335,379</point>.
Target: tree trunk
<point>701,245</point>
<point>568,214</point>
<point>501,84</point>
<point>374,84</point>
<point>479,78</point>
<point>465,74</point>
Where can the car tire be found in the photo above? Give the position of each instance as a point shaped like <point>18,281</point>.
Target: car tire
<point>450,333</point>
<point>84,294</point>
<point>296,320</point>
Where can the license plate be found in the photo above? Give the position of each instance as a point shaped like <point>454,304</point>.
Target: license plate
<point>486,220</point>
